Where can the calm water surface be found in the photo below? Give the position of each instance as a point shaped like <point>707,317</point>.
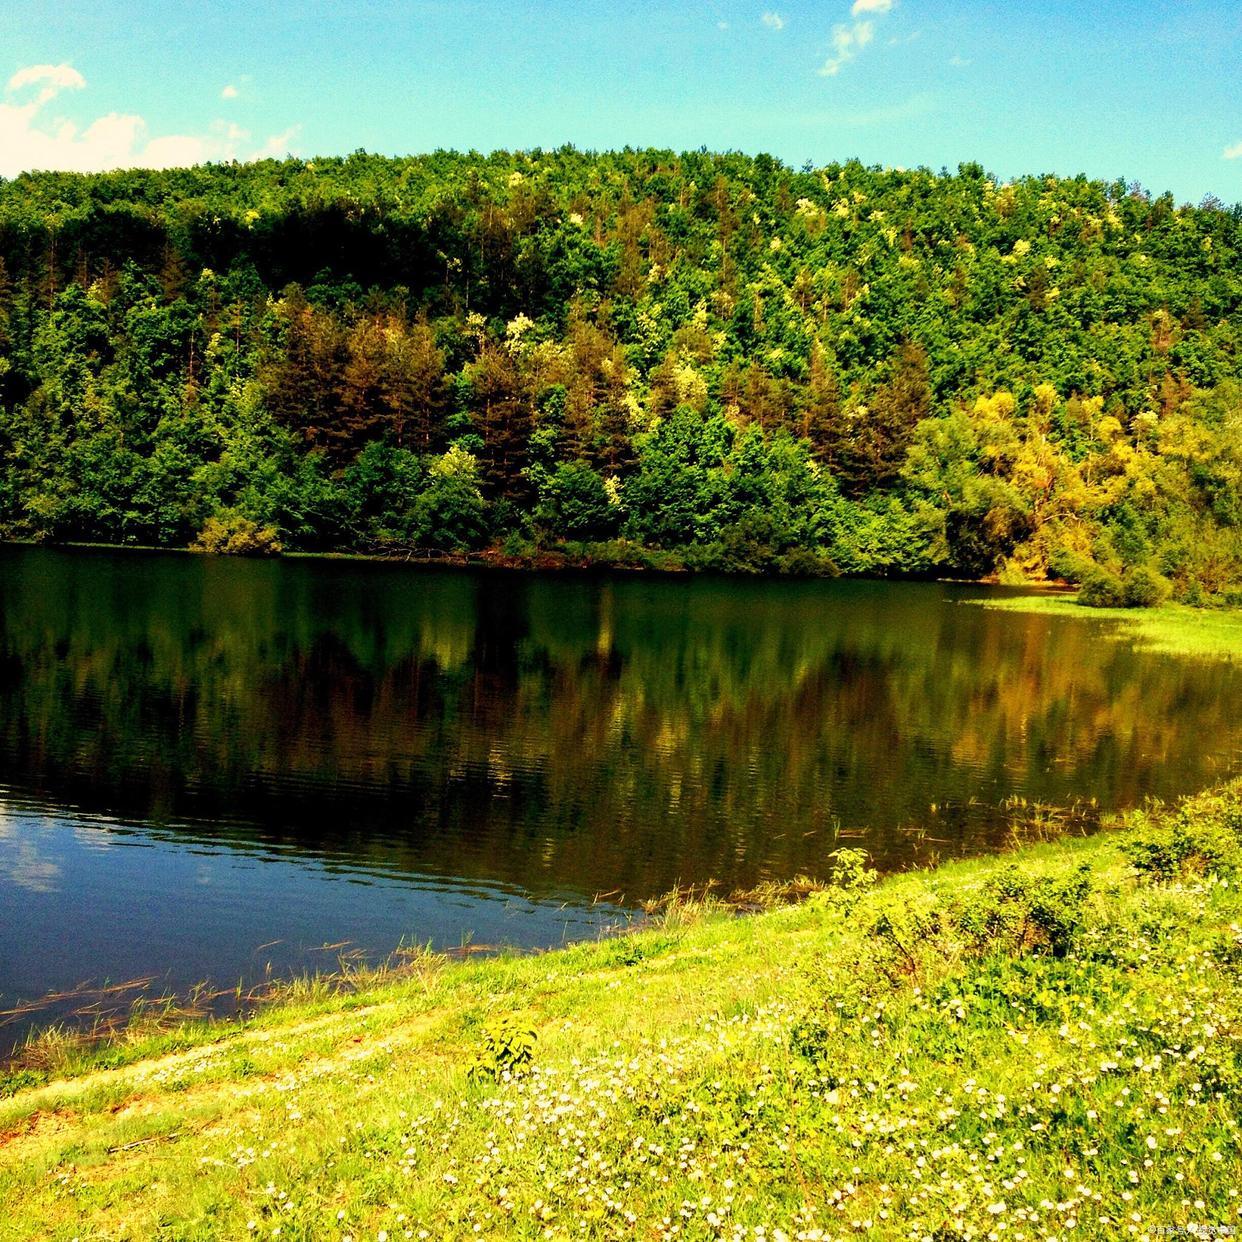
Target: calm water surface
<point>212,769</point>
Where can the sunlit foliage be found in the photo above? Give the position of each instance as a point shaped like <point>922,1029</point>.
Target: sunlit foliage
<point>715,357</point>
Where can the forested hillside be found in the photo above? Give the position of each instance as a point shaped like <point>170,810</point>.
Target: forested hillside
<point>709,360</point>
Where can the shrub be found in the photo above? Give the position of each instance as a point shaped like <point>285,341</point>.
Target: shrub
<point>230,534</point>
<point>625,553</point>
<point>721,558</point>
<point>451,514</point>
<point>1101,588</point>
<point>380,490</point>
<point>805,563</point>
<point>1142,587</point>
<point>1191,592</point>
<point>741,547</point>
<point>1068,563</point>
<point>1202,838</point>
<point>518,546</point>
<point>1017,913</point>
<point>579,503</point>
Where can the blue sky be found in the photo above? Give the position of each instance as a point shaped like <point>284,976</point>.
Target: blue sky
<point>1148,91</point>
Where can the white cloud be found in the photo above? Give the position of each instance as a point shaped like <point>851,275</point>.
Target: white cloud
<point>847,42</point>
<point>773,21</point>
<point>30,138</point>
<point>55,78</point>
<point>871,6</point>
<point>278,145</point>
<point>959,62</point>
<point>182,150</point>
<point>1232,153</point>
<point>229,92</point>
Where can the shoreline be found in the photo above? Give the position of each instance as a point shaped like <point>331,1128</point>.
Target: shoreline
<point>1004,1019</point>
<point>552,563</point>
<point>1213,632</point>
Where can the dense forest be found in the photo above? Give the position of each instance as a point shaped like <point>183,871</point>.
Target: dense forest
<point>710,361</point>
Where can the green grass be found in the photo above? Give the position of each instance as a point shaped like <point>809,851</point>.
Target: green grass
<point>1043,1045</point>
<point>1177,629</point>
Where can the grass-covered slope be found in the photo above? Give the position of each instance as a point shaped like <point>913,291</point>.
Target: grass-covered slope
<point>1039,1046</point>
<point>1175,629</point>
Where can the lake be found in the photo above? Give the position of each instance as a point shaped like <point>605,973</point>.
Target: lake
<point>220,769</point>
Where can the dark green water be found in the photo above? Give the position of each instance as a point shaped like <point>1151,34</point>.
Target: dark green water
<point>209,766</point>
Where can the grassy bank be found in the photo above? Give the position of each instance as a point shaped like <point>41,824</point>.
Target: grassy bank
<point>1045,1045</point>
<point>1177,629</point>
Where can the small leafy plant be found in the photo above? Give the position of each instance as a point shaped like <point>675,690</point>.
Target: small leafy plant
<point>850,872</point>
<point>508,1050</point>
